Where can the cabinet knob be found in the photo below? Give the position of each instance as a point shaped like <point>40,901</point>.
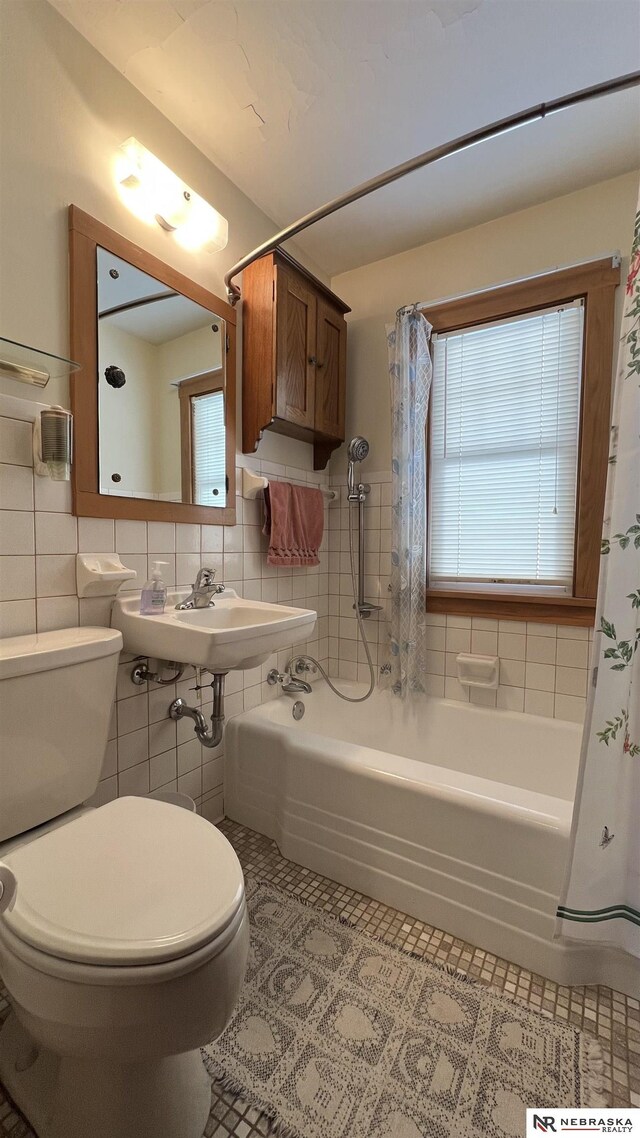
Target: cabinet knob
<point>318,364</point>
<point>312,360</point>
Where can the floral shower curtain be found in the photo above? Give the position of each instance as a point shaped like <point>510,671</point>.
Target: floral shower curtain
<point>601,898</point>
<point>410,373</point>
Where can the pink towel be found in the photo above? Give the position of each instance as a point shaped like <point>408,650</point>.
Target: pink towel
<point>294,523</point>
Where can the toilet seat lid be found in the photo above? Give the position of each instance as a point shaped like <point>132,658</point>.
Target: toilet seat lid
<point>137,881</point>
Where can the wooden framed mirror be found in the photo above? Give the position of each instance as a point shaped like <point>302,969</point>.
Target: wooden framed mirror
<point>154,402</point>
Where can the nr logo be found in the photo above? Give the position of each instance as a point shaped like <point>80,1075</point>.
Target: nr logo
<point>545,1123</point>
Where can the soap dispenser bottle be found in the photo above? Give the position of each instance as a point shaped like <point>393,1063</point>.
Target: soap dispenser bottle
<point>154,595</point>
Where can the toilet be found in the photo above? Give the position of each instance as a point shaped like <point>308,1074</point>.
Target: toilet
<point>125,944</point>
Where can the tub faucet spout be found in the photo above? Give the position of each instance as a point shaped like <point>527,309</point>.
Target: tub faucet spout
<point>295,685</point>
<point>290,682</point>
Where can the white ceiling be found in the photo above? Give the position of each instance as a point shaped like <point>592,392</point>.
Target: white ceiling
<point>298,100</point>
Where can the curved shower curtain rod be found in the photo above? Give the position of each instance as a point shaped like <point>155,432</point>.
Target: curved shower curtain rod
<point>501,126</point>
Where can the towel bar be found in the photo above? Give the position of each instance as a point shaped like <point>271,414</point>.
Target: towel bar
<point>254,484</point>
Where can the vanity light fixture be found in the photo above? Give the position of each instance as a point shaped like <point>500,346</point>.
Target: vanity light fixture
<point>156,195</point>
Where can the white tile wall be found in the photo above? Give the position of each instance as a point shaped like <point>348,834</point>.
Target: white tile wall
<point>543,667</point>
<point>39,539</point>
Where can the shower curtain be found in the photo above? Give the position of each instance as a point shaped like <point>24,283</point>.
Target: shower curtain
<point>410,374</point>
<point>601,898</point>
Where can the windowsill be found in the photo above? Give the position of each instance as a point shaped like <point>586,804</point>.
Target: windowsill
<point>513,606</point>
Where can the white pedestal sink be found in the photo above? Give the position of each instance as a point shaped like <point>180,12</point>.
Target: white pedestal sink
<point>232,633</point>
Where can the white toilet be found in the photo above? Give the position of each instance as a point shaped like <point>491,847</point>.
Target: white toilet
<point>125,946</point>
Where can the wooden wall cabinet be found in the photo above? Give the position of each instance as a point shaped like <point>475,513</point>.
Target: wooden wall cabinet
<point>294,356</point>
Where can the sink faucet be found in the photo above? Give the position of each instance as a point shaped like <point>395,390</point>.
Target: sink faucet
<point>202,592</point>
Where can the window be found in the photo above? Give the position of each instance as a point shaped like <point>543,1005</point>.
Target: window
<point>208,438</point>
<point>202,429</point>
<point>518,441</point>
<point>504,452</point>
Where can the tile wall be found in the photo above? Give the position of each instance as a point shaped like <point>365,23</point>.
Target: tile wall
<point>346,653</point>
<point>543,667</point>
<point>39,539</point>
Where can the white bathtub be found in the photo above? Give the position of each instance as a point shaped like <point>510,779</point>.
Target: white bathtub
<point>456,814</point>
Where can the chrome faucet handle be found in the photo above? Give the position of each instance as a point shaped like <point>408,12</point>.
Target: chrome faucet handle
<point>205,578</point>
<point>202,591</point>
<point>289,683</point>
<point>298,665</point>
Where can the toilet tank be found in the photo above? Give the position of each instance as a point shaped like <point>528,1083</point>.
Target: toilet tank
<point>56,695</point>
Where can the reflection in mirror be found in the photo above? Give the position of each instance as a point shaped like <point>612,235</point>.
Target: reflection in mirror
<point>161,390</point>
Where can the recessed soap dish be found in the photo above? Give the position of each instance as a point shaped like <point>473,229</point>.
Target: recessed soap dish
<point>478,671</point>
<point>101,574</point>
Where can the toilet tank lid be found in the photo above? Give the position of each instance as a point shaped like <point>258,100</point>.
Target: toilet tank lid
<point>23,655</point>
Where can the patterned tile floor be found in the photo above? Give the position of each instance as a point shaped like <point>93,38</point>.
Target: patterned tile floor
<point>610,1016</point>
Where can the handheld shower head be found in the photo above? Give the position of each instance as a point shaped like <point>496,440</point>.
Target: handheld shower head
<point>358,450</point>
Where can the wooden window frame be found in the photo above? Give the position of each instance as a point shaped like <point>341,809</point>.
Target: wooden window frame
<point>205,384</point>
<point>595,283</point>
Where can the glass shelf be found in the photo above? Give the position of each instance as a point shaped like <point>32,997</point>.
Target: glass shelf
<point>30,365</point>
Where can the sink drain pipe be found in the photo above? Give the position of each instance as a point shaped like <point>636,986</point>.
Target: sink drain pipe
<point>209,738</point>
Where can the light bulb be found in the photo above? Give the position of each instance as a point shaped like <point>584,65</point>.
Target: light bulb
<point>155,194</point>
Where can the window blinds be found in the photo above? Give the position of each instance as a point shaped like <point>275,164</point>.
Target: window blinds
<point>208,449</point>
<point>505,408</point>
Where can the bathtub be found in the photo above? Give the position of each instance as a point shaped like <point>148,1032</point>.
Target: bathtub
<point>456,814</point>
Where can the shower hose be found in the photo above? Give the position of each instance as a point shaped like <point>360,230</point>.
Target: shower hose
<point>354,587</point>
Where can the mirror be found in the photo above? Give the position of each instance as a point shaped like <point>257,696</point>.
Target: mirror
<point>156,395</point>
<point>160,390</point>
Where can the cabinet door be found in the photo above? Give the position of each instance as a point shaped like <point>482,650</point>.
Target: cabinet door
<point>330,371</point>
<point>295,348</point>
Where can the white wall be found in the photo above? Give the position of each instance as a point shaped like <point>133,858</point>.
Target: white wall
<point>192,354</point>
<point>66,110</point>
<point>65,113</point>
<point>186,356</point>
<point>544,667</point>
<point>577,227</point>
<point>140,422</point>
<point>127,414</point>
<point>39,539</point>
